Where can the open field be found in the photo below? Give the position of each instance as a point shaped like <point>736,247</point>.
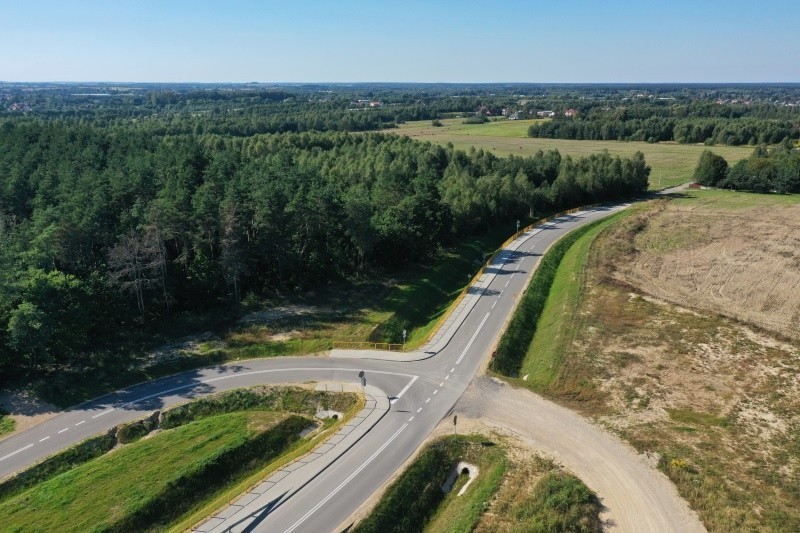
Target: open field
<point>672,163</point>
<point>733,253</point>
<point>133,482</point>
<point>713,401</point>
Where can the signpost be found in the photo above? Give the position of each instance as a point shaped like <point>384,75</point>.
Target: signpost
<point>455,422</point>
<point>363,379</point>
<point>405,334</point>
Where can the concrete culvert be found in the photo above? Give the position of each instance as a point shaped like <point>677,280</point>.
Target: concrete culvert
<point>460,469</point>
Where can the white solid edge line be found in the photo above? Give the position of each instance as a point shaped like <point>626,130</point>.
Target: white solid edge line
<point>405,389</point>
<point>12,454</point>
<point>231,376</point>
<point>469,344</point>
<point>347,480</point>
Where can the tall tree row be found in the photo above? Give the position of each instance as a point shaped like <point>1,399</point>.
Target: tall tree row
<point>105,229</point>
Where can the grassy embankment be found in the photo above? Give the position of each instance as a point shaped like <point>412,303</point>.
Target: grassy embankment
<point>511,493</point>
<point>209,451</point>
<point>147,483</point>
<point>672,163</point>
<point>712,398</point>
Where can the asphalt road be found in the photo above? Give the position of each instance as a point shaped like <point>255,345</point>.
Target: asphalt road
<point>427,390</point>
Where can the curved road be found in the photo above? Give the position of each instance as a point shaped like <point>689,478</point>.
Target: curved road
<point>422,393</point>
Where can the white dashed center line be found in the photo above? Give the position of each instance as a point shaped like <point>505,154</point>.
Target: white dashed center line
<point>81,422</point>
<point>452,370</point>
<point>495,303</point>
<point>101,414</point>
<point>434,392</point>
<point>15,453</point>
<point>441,384</point>
<point>447,377</point>
<point>428,400</point>
<point>44,439</point>
<point>410,419</point>
<point>63,430</point>
<point>420,409</point>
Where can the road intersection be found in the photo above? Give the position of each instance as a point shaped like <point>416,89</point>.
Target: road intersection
<point>421,387</point>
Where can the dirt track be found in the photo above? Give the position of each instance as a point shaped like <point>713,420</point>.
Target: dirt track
<point>637,497</point>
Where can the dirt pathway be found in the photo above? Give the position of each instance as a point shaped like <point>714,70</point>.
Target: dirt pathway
<point>637,497</point>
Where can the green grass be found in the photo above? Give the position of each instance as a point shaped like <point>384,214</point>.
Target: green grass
<point>672,163</point>
<point>7,423</point>
<point>687,416</point>
<point>461,513</point>
<point>555,328</point>
<point>559,502</point>
<point>415,501</point>
<point>127,485</point>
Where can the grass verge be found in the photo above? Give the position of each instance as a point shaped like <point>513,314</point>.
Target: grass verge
<point>226,494</point>
<point>143,485</point>
<point>553,334</point>
<point>516,340</point>
<point>713,399</point>
<point>262,398</point>
<point>415,502</point>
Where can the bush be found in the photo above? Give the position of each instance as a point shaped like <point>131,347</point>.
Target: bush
<point>294,399</point>
<point>127,433</point>
<point>560,503</point>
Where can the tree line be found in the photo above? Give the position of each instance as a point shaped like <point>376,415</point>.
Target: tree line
<point>711,131</point>
<point>109,229</point>
<point>767,170</point>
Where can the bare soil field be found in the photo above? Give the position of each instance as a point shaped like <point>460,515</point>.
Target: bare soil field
<point>742,263</point>
<point>685,344</point>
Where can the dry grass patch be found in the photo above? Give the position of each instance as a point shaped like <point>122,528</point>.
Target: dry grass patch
<point>743,263</point>
<point>717,400</point>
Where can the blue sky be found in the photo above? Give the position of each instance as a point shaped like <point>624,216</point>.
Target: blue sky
<point>410,40</point>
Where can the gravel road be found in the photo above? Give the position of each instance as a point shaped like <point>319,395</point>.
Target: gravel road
<point>637,497</point>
